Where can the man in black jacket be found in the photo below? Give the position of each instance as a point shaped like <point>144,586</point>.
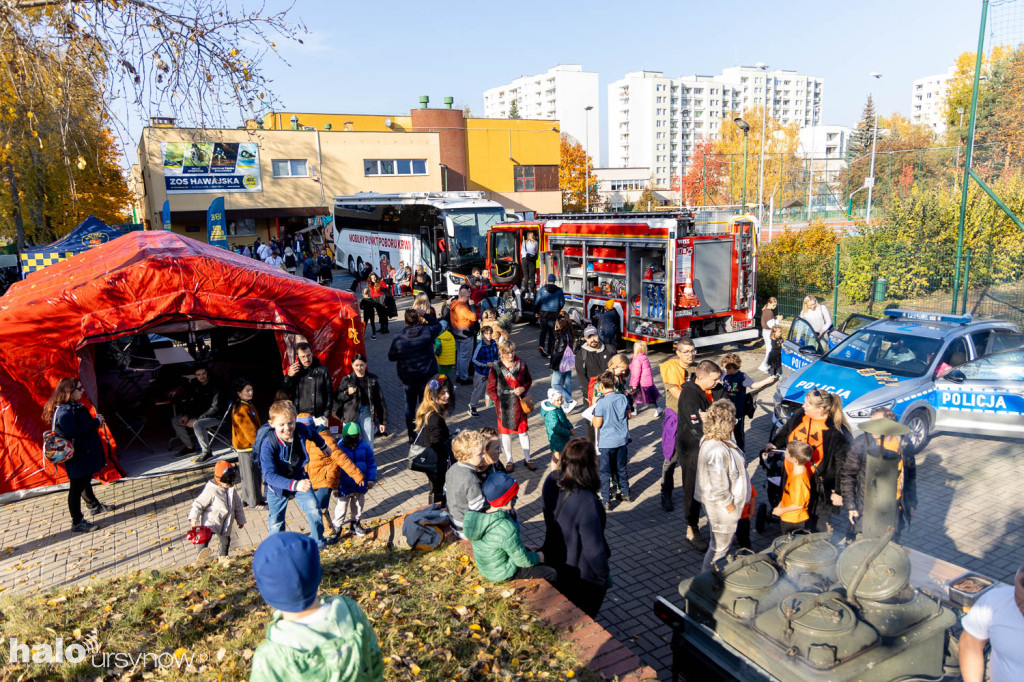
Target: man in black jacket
<point>202,410</point>
<point>309,384</point>
<point>413,351</point>
<point>695,397</point>
<point>591,360</point>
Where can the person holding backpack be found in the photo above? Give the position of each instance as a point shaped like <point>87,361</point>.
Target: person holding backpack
<point>72,421</point>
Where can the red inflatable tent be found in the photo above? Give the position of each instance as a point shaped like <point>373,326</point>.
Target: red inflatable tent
<point>137,282</point>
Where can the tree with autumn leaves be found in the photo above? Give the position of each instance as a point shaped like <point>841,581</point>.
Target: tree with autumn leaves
<point>781,165</point>
<point>576,177</point>
<point>703,182</point>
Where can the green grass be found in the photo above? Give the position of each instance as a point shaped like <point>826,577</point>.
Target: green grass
<point>434,616</point>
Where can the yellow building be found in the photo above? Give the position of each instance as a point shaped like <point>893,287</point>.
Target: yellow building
<point>514,161</point>
<point>272,181</point>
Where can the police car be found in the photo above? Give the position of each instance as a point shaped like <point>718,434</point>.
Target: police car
<point>936,372</point>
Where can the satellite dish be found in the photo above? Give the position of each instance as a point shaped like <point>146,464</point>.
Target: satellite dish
<point>387,122</point>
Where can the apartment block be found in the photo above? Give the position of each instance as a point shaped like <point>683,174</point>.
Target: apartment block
<point>928,100</point>
<point>563,92</point>
<point>656,121</point>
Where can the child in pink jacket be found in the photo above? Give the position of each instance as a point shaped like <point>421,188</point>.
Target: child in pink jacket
<point>641,378</point>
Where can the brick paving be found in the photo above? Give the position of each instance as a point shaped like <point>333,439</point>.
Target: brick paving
<point>970,511</point>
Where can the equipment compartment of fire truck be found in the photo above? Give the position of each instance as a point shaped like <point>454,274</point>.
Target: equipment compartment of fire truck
<point>669,275</point>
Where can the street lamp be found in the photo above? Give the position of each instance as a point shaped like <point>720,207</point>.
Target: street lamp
<point>586,160</point>
<point>959,133</point>
<point>871,173</point>
<point>764,120</point>
<point>745,127</point>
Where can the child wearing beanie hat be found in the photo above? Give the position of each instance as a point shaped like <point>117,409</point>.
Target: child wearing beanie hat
<point>218,507</point>
<point>308,638</point>
<point>556,422</point>
<point>350,494</point>
<point>498,550</point>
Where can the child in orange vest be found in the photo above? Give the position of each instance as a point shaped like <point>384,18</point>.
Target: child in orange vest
<point>796,495</point>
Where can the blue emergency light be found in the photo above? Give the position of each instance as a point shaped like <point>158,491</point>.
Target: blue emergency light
<point>899,313</point>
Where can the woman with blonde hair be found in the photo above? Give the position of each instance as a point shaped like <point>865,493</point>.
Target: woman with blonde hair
<point>66,415</point>
<point>821,423</point>
<point>769,321</point>
<point>723,485</point>
<point>422,304</point>
<point>817,315</point>
<point>432,430</point>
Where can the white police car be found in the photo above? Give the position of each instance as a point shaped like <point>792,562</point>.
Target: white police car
<point>936,372</point>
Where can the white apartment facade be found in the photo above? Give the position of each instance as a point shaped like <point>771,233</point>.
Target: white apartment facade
<point>620,186</point>
<point>563,93</point>
<point>656,121</point>
<point>928,100</point>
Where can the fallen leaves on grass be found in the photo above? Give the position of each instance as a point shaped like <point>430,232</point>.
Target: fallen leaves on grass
<point>433,617</point>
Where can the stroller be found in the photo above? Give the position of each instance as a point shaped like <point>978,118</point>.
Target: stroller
<point>773,465</point>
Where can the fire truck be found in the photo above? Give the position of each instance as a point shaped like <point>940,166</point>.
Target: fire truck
<point>668,274</point>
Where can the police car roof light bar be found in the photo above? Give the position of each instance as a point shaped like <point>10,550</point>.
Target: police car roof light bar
<point>899,313</point>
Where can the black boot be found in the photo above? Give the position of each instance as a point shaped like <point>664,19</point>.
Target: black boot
<point>666,503</point>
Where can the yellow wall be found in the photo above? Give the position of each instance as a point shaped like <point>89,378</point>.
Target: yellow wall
<point>490,142</point>
<point>339,170</point>
<point>496,145</point>
<point>360,122</point>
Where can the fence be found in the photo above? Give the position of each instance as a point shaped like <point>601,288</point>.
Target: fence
<point>868,278</point>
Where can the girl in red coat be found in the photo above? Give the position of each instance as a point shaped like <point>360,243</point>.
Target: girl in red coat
<point>507,387</point>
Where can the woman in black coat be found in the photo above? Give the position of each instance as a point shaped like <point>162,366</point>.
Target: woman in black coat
<point>361,400</point>
<point>574,521</point>
<point>71,419</point>
<point>821,423</point>
<point>432,431</point>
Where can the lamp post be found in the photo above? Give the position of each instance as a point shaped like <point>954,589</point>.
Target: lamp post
<point>586,160</point>
<point>745,127</point>
<point>871,173</point>
<point>959,134</point>
<point>760,171</point>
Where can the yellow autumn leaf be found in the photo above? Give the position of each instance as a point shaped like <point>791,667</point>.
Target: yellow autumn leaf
<point>414,669</point>
<point>474,626</point>
<point>179,652</point>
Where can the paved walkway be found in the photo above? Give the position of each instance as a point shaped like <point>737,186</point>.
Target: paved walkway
<point>970,511</point>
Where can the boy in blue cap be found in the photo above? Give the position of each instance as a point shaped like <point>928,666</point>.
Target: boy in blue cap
<point>309,638</point>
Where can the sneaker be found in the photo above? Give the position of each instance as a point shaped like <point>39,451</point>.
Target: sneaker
<point>358,530</point>
<point>542,352</point>
<point>84,526</point>
<point>626,498</point>
<point>204,456</point>
<point>762,368</point>
<point>510,467</point>
<point>530,465</point>
<point>696,539</point>
<point>569,406</point>
<point>666,503</point>
<point>374,337</point>
<point>205,554</point>
<point>101,508</point>
<point>660,411</point>
<point>618,495</point>
<point>473,411</point>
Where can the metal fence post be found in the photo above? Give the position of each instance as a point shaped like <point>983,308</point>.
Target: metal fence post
<point>967,278</point>
<point>835,287</point>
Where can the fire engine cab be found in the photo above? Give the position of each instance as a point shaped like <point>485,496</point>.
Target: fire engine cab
<point>668,274</point>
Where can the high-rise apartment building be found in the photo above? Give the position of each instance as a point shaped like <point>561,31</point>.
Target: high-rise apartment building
<point>928,100</point>
<point>657,121</point>
<point>563,93</point>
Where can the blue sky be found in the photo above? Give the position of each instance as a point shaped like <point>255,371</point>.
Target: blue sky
<point>378,57</point>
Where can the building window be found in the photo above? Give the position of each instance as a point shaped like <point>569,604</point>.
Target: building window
<point>394,166</point>
<point>535,178</point>
<point>242,227</point>
<point>525,178</point>
<point>289,168</point>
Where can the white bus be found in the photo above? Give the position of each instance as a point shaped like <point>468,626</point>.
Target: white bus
<point>445,232</point>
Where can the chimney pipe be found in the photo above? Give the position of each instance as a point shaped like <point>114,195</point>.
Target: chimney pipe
<point>424,101</point>
<point>448,101</point>
<point>295,122</point>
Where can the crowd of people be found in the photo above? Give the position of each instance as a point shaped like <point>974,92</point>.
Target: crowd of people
<point>293,456</point>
